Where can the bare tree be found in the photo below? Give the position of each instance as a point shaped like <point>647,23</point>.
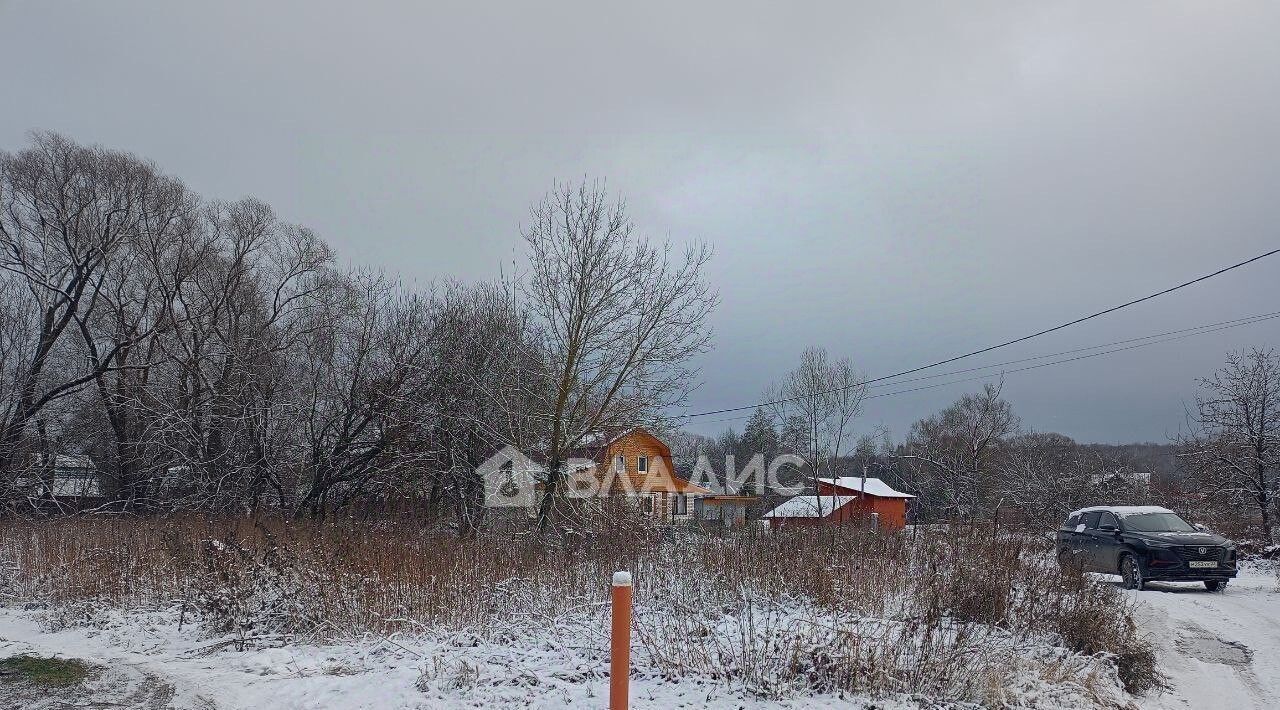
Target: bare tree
<point>1047,475</point>
<point>360,374</point>
<point>820,399</point>
<point>618,320</point>
<point>64,211</point>
<point>953,456</point>
<point>123,338</point>
<point>238,325</point>
<point>482,396</point>
<point>1234,448</point>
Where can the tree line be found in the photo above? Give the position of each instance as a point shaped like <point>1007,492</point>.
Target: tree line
<point>209,354</point>
<point>976,460</point>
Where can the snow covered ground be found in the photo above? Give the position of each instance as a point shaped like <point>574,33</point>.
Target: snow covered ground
<point>144,661</point>
<point>1219,650</point>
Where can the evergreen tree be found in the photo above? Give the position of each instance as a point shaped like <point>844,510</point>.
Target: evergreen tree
<point>759,437</point>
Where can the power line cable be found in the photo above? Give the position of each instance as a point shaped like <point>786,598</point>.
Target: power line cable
<point>1070,359</point>
<point>1232,323</point>
<point>997,346</point>
<point>1132,344</point>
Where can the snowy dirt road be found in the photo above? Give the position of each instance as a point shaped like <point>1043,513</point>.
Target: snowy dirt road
<point>1219,650</point>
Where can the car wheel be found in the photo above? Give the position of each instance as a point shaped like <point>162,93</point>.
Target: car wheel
<point>1131,573</point>
<point>1214,585</point>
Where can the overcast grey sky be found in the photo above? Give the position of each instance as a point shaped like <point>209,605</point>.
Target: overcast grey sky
<point>897,182</point>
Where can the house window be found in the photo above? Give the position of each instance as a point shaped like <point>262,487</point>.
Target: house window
<point>642,464</point>
<point>680,504</point>
<point>620,464</point>
<point>646,505</point>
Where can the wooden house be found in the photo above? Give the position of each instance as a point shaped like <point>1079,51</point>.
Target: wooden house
<point>636,464</point>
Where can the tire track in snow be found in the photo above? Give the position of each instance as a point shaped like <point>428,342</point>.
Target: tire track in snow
<point>1218,649</point>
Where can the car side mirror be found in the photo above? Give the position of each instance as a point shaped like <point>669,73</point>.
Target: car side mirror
<point>1199,527</point>
<point>1108,529</point>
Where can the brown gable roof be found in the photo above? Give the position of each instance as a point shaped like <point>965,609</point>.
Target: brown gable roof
<point>631,443</point>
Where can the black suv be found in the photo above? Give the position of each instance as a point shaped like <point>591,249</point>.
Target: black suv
<point>1144,544</point>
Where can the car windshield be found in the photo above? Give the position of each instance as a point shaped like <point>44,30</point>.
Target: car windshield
<point>1157,522</point>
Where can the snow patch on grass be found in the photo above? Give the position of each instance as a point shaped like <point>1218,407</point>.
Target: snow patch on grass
<point>562,663</point>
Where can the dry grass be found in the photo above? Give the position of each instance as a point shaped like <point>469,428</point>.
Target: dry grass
<point>354,576</point>
<point>947,615</point>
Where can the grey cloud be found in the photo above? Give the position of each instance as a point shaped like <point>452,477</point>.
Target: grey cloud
<point>894,181</point>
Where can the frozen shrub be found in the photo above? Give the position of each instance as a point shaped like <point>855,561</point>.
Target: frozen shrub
<point>246,591</point>
<point>1098,621</point>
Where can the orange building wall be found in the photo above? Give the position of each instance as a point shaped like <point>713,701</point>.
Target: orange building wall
<point>893,511</point>
<point>659,481</point>
<point>631,447</point>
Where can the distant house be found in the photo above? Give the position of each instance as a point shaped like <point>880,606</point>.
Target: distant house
<point>630,465</point>
<point>844,500</point>
<point>1140,480</point>
<point>634,463</point>
<point>65,481</point>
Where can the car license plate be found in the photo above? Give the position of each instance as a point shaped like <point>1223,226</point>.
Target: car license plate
<point>1202,564</point>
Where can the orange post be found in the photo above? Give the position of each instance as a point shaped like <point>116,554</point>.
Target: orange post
<point>620,642</point>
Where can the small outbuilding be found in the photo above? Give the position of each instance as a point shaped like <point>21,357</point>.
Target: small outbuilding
<point>845,500</point>
<point>723,509</point>
<point>63,482</point>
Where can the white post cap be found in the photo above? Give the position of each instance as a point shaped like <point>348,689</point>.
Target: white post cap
<point>622,579</point>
